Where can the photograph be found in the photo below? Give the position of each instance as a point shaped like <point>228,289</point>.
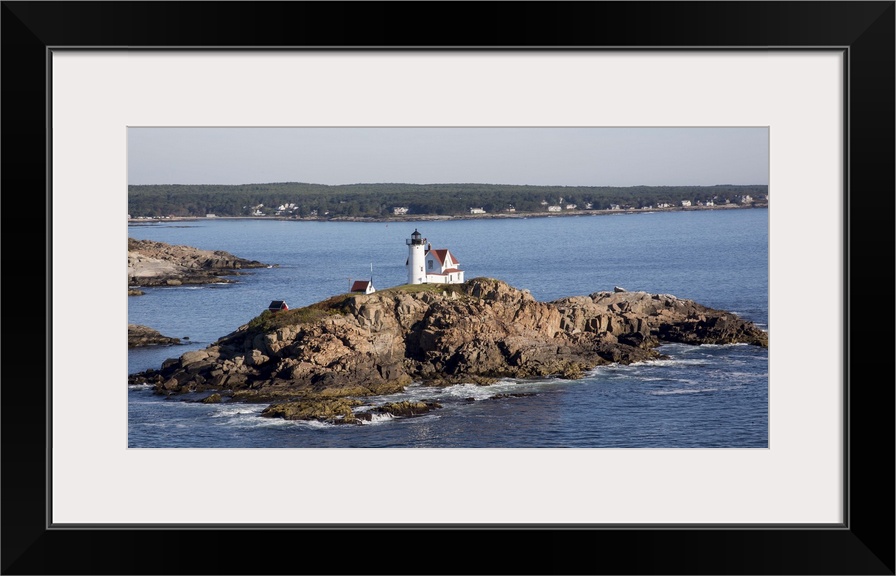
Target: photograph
<point>448,287</point>
<point>514,273</point>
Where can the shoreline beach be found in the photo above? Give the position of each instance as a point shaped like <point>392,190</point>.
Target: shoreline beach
<point>438,217</point>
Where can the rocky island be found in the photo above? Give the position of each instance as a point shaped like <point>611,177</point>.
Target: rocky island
<point>324,361</point>
<point>139,336</point>
<point>159,264</point>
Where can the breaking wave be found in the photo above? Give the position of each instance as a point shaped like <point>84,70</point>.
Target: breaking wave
<point>377,419</point>
<point>237,410</point>
<point>139,386</point>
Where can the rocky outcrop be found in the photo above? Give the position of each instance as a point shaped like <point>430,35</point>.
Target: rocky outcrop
<point>159,264</point>
<point>358,345</point>
<point>144,336</point>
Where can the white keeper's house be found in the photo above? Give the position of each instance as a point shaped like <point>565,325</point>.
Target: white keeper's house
<point>431,266</point>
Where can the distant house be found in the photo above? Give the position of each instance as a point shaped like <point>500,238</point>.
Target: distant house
<point>477,211</point>
<point>554,208</point>
<point>685,202</point>
<point>400,210</point>
<point>365,286</point>
<point>277,305</point>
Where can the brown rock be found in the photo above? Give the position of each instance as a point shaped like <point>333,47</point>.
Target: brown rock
<point>333,410</point>
<point>144,336</point>
<point>362,345</point>
<point>406,408</point>
<point>159,264</point>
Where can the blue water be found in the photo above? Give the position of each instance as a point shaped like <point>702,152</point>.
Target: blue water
<point>702,396</point>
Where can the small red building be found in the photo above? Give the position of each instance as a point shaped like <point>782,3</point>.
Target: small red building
<point>365,286</point>
<point>277,305</point>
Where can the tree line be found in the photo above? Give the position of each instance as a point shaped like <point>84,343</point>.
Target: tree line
<point>304,200</point>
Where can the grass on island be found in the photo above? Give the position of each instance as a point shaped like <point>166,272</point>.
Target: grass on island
<point>267,320</point>
<point>336,305</point>
<point>431,288</point>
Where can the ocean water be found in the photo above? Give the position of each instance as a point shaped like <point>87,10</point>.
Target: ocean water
<point>701,397</point>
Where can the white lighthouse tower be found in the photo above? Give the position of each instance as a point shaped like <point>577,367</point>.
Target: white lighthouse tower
<point>416,256</point>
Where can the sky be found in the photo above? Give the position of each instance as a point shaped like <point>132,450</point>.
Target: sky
<point>701,156</point>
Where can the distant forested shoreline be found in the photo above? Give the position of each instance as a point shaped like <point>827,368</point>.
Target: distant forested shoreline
<point>303,200</point>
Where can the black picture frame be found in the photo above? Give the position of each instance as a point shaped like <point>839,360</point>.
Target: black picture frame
<point>864,544</point>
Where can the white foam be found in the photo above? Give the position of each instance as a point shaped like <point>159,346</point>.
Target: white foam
<point>254,419</point>
<point>414,394</point>
<point>675,362</point>
<point>270,422</point>
<point>378,419</point>
<point>228,411</point>
<point>505,386</point>
<point>469,391</point>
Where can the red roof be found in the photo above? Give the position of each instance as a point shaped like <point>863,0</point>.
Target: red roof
<point>360,285</point>
<point>441,254</point>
